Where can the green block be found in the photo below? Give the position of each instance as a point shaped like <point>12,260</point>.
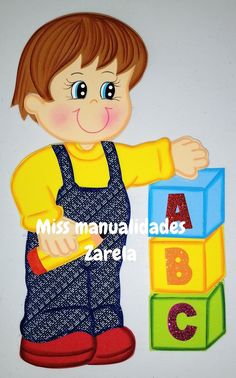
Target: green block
<point>187,322</point>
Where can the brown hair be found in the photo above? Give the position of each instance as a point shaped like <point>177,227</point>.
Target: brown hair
<point>59,42</point>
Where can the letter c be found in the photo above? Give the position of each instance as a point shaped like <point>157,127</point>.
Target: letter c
<point>189,331</point>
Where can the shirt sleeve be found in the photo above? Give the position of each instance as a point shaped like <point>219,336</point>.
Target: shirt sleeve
<point>145,163</point>
<point>34,188</point>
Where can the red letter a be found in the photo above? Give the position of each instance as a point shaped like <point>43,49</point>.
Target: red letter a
<point>178,201</point>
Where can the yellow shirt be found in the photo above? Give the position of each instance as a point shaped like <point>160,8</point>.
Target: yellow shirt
<point>37,178</point>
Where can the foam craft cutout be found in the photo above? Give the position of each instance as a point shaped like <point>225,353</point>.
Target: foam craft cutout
<point>187,265</point>
<point>200,203</point>
<point>187,311</point>
<point>187,322</point>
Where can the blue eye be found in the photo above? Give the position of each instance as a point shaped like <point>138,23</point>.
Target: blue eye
<point>107,90</point>
<point>78,90</point>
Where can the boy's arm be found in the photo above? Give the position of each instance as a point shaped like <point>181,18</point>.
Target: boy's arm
<point>34,185</point>
<point>34,188</point>
<point>160,160</point>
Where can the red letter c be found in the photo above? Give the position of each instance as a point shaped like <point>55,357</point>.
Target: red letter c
<point>189,331</point>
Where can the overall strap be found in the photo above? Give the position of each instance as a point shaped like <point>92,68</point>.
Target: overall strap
<point>112,160</point>
<point>65,164</point>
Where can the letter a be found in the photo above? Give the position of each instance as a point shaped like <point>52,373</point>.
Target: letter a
<point>178,202</point>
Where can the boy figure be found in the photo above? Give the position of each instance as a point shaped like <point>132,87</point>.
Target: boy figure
<point>73,79</point>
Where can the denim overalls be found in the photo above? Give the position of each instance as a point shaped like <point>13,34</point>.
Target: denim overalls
<point>80,295</point>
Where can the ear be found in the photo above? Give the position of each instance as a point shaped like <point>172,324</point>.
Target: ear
<point>32,103</point>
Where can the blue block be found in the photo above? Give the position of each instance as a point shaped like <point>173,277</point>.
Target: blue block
<point>204,197</point>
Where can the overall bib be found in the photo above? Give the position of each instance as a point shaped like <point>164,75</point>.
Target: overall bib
<point>80,295</point>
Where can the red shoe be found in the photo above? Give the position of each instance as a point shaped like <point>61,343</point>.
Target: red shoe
<point>71,350</point>
<point>114,345</point>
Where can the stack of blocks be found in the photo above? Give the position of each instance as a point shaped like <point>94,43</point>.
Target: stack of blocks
<point>187,309</point>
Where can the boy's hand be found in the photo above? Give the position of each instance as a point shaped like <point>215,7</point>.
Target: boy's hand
<point>59,244</point>
<point>189,156</point>
<point>63,244</point>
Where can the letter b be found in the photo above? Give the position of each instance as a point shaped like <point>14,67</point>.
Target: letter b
<point>178,270</point>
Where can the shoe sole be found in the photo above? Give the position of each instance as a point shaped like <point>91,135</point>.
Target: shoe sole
<point>57,362</point>
<point>96,360</point>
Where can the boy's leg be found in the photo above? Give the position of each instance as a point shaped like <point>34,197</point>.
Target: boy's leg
<point>57,328</point>
<point>115,343</point>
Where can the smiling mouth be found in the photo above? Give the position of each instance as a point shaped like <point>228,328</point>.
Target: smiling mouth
<point>97,131</point>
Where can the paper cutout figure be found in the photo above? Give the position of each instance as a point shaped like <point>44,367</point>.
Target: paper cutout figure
<point>187,322</point>
<point>187,310</point>
<point>201,202</point>
<point>73,79</point>
<point>187,265</point>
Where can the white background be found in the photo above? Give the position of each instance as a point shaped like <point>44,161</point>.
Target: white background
<point>188,88</point>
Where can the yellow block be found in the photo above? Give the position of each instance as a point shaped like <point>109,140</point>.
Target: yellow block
<point>185,265</point>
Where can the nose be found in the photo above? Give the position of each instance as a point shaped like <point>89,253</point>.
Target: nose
<point>93,100</point>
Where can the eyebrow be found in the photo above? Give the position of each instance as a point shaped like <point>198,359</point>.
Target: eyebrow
<point>77,73</point>
<point>109,72</point>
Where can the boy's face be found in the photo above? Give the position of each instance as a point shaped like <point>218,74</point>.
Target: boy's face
<point>89,104</point>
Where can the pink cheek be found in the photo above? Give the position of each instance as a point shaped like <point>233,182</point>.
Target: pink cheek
<point>60,116</point>
<point>112,117</point>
